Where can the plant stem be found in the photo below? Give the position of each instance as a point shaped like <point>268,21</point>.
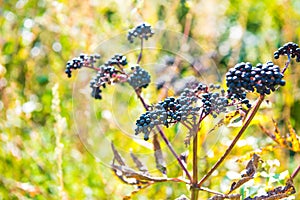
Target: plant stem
<point>141,52</point>
<point>194,195</point>
<point>138,93</point>
<point>237,137</point>
<point>195,191</point>
<point>166,139</point>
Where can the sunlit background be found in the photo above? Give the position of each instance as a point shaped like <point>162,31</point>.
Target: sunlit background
<point>55,139</point>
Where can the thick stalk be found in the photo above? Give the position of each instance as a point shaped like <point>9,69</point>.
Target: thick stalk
<point>237,137</point>
<point>196,127</point>
<point>195,192</point>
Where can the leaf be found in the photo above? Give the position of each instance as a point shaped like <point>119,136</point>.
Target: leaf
<point>135,177</point>
<point>232,197</point>
<point>138,163</point>
<point>252,166</point>
<point>289,140</point>
<point>226,120</point>
<point>159,159</point>
<point>277,193</point>
<point>234,118</point>
<point>219,124</point>
<point>248,175</point>
<point>117,156</point>
<point>293,139</point>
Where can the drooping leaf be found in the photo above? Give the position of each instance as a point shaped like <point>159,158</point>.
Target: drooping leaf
<point>130,176</point>
<point>138,163</point>
<point>249,173</point>
<point>117,156</point>
<point>159,159</point>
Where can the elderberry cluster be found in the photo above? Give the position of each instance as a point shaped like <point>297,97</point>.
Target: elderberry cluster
<point>78,62</point>
<point>140,78</point>
<point>106,74</point>
<point>214,103</point>
<point>142,31</point>
<point>243,78</point>
<point>289,48</point>
<point>117,59</point>
<point>169,111</point>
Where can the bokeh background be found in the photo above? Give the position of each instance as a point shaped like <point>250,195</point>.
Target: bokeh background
<point>54,136</point>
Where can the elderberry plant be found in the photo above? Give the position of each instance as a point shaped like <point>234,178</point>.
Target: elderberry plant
<point>195,103</point>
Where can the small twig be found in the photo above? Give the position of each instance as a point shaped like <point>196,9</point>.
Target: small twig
<point>92,67</point>
<point>141,52</point>
<point>295,172</point>
<point>286,64</point>
<point>237,137</point>
<point>138,93</point>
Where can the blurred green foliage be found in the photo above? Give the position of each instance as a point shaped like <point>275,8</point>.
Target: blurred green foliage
<point>39,36</point>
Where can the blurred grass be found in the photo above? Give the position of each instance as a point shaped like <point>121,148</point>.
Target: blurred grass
<point>38,37</point>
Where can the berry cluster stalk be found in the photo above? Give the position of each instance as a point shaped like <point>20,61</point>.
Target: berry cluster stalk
<point>237,137</point>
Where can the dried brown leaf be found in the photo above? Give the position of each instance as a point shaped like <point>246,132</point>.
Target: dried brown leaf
<point>136,177</point>
<point>252,166</point>
<point>277,193</point>
<point>159,159</point>
<point>248,175</point>
<point>138,163</point>
<point>239,183</point>
<point>117,156</point>
<point>222,197</point>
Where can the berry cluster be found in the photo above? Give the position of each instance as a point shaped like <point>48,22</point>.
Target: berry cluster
<point>291,49</point>
<point>140,78</point>
<point>168,112</point>
<point>143,31</point>
<point>117,59</point>
<point>106,74</point>
<point>214,103</point>
<point>83,60</point>
<point>262,78</point>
